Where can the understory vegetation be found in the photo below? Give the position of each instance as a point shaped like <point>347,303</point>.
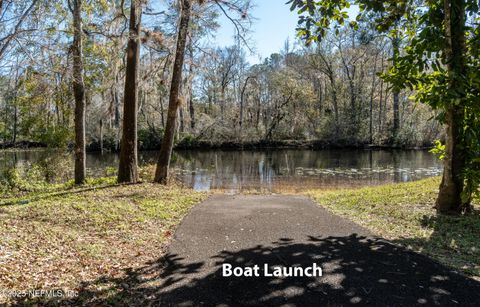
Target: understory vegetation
<point>72,236</point>
<point>404,214</point>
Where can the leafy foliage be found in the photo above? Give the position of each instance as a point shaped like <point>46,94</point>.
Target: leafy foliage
<point>423,65</point>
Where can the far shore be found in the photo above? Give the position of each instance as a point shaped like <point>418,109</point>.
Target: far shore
<point>236,145</point>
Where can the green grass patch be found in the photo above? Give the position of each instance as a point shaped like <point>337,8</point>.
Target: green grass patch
<point>24,192</point>
<point>404,214</point>
<point>60,238</point>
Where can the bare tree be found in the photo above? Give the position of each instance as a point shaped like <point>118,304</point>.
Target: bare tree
<point>17,29</point>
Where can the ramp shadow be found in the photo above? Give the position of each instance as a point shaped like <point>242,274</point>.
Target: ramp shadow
<point>356,271</point>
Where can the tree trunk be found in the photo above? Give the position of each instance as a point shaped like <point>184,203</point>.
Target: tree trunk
<point>15,123</point>
<point>15,110</point>
<point>450,196</point>
<point>161,174</point>
<point>192,113</point>
<point>242,101</point>
<point>372,94</point>
<point>222,103</point>
<point>127,170</point>
<point>162,111</point>
<point>79,94</point>
<point>182,121</point>
<point>396,113</point>
<point>396,91</point>
<point>335,104</point>
<point>101,136</point>
<point>117,103</point>
<point>15,106</point>
<point>5,124</point>
<point>191,106</point>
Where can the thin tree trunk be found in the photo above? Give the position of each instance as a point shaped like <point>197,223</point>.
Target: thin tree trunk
<point>396,91</point>
<point>162,111</point>
<point>222,103</point>
<point>242,100</point>
<point>396,113</point>
<point>161,174</point>
<point>190,96</point>
<point>79,94</point>
<point>380,100</point>
<point>117,103</point>
<point>335,105</point>
<point>450,196</point>
<point>5,125</point>
<point>127,170</point>
<point>15,123</point>
<point>101,136</point>
<point>192,113</point>
<point>15,109</point>
<point>372,93</point>
<point>182,120</point>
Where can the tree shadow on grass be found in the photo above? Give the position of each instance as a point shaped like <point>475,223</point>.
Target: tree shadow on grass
<point>26,199</point>
<point>454,239</point>
<point>356,271</point>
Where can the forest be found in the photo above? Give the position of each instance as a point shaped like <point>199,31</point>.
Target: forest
<point>329,92</point>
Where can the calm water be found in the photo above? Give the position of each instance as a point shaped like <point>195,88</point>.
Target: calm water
<point>260,170</point>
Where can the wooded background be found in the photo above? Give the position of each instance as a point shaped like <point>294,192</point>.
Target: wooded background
<point>329,92</point>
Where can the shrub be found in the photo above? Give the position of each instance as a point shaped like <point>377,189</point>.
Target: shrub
<point>56,137</point>
<point>150,138</point>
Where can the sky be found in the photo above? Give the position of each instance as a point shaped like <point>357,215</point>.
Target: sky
<point>273,25</point>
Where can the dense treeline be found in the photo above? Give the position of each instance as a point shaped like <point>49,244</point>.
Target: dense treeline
<point>329,92</point>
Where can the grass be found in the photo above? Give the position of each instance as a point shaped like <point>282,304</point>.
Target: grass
<point>24,192</point>
<point>404,214</point>
<point>62,237</point>
<point>59,238</point>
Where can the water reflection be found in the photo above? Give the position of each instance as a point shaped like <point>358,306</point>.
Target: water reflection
<point>272,170</point>
<point>269,170</point>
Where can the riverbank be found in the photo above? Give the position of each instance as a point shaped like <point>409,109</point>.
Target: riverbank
<point>193,144</point>
<point>22,145</point>
<point>404,214</point>
<point>290,144</point>
<point>62,237</point>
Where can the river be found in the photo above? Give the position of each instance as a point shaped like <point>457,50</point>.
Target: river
<point>273,170</point>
